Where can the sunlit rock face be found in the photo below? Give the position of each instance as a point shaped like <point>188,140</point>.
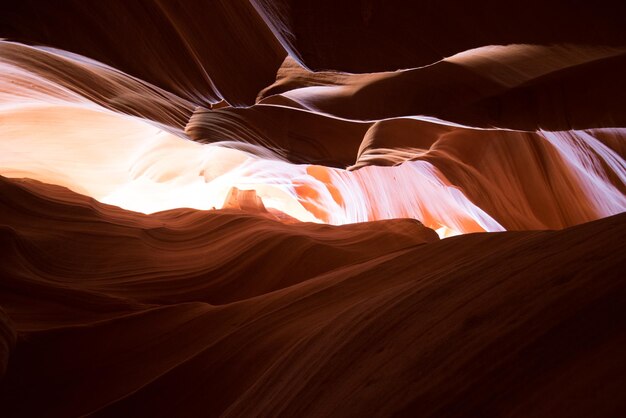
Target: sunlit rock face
<point>250,198</point>
<point>451,177</point>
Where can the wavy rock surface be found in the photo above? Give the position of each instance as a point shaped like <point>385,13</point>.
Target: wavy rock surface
<point>453,178</point>
<point>185,47</point>
<point>410,323</point>
<point>194,224</point>
<point>512,87</point>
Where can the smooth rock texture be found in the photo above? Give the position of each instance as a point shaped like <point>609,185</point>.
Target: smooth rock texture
<point>281,208</point>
